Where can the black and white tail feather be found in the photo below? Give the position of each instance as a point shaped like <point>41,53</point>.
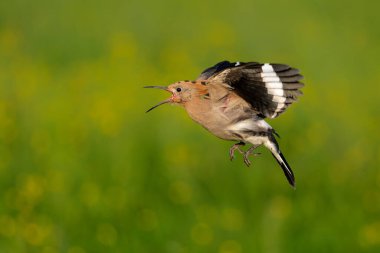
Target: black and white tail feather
<point>285,168</point>
<point>269,141</point>
<point>282,162</point>
<point>269,88</point>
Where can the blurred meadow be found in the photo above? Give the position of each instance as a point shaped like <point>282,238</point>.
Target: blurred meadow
<point>83,169</point>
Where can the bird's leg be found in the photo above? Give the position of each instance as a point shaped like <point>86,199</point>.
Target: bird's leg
<point>234,147</point>
<point>248,153</point>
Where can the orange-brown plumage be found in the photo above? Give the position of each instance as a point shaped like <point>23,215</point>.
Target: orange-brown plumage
<point>231,101</point>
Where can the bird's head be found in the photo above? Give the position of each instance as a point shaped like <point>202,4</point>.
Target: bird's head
<point>182,92</point>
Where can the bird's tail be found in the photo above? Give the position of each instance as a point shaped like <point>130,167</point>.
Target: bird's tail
<point>274,148</point>
<point>285,167</point>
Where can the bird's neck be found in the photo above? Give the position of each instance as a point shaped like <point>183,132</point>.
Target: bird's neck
<point>199,105</point>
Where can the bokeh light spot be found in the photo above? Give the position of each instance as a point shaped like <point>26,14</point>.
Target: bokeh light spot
<point>76,249</point>
<point>230,246</point>
<point>232,219</point>
<point>147,220</point>
<point>370,235</point>
<point>7,226</point>
<point>180,192</point>
<point>35,234</point>
<point>202,234</point>
<point>90,194</point>
<point>106,234</point>
<point>280,207</point>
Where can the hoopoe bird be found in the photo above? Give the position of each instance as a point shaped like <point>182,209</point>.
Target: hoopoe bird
<point>232,99</point>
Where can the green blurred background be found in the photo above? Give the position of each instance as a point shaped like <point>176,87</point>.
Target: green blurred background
<point>84,169</point>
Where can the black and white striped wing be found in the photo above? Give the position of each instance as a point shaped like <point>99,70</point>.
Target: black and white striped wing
<point>268,88</point>
<point>217,68</point>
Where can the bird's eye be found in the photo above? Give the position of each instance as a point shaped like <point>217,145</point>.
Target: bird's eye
<point>178,89</point>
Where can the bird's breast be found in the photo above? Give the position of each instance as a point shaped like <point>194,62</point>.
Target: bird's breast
<point>211,118</point>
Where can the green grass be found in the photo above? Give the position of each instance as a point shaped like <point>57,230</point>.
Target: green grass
<point>84,169</point>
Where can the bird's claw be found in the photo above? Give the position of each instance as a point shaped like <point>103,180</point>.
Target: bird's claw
<point>247,154</point>
<point>247,161</point>
<point>234,148</point>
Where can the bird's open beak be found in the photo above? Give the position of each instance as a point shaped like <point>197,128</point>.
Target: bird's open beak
<point>161,103</point>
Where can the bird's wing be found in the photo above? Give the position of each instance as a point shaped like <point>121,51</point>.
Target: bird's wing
<point>268,88</point>
<point>217,68</point>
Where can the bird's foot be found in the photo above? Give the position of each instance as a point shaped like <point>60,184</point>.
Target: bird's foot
<point>236,147</point>
<point>248,153</point>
